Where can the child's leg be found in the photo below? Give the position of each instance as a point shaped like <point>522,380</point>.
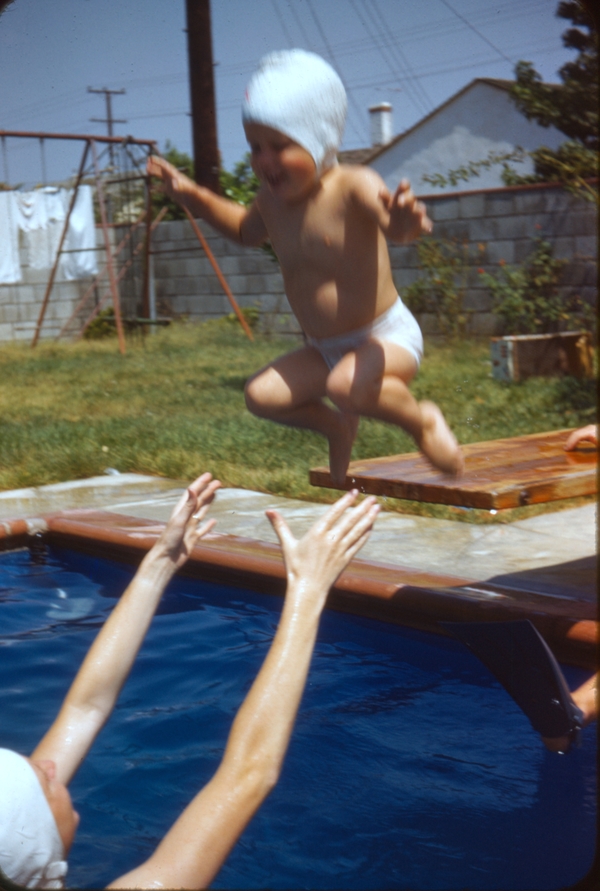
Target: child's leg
<point>373,381</point>
<point>290,391</point>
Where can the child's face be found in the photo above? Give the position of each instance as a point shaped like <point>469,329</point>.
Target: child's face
<point>288,170</point>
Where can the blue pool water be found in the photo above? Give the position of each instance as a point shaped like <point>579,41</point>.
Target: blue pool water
<point>410,767</point>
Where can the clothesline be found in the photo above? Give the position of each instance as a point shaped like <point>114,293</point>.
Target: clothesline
<point>31,223</point>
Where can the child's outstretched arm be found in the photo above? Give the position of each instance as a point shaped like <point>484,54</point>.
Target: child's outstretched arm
<point>241,224</point>
<point>407,216</point>
<point>195,847</point>
<point>400,216</point>
<point>93,693</point>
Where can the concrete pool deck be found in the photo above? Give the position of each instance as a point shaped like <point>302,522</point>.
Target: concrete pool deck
<point>432,545</point>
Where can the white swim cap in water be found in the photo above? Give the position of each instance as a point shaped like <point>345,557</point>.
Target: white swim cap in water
<point>299,94</point>
<point>31,849</point>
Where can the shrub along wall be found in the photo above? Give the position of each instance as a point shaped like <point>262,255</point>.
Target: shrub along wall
<point>492,228</point>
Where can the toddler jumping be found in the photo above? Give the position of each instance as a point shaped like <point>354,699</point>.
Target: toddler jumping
<point>328,225</point>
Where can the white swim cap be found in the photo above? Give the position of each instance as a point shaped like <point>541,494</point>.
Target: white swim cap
<point>31,849</point>
<point>299,94</point>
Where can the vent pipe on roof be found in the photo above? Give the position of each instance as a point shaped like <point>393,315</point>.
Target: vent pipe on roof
<point>381,124</point>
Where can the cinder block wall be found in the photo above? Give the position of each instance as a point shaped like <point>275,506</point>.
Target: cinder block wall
<point>500,225</point>
<point>186,284</point>
<point>494,225</point>
<point>504,222</point>
<point>20,303</point>
<point>20,306</point>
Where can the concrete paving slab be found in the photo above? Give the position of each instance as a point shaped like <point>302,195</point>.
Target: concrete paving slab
<point>95,491</point>
<point>433,545</point>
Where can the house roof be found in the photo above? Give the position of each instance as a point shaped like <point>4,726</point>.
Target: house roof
<point>357,156</point>
<point>366,155</point>
<point>497,82</point>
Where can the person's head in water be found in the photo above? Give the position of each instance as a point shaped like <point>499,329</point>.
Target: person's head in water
<point>37,822</point>
<point>293,97</point>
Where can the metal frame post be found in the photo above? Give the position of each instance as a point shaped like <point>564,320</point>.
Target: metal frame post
<point>109,260</point>
<point>220,276</point>
<point>40,320</point>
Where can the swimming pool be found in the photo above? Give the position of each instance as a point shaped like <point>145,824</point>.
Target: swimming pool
<point>410,767</point>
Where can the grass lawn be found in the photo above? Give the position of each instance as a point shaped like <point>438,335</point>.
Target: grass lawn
<point>174,405</point>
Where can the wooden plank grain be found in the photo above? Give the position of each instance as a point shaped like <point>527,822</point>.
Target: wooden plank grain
<point>499,474</point>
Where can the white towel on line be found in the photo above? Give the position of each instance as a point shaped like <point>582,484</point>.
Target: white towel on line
<point>39,215</point>
<point>10,267</point>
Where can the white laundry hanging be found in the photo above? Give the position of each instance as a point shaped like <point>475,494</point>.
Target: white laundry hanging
<point>39,215</point>
<point>42,217</point>
<point>10,267</point>
<point>81,236</point>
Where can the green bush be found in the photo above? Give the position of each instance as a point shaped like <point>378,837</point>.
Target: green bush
<point>250,313</point>
<point>527,299</point>
<point>441,289</point>
<point>103,325</point>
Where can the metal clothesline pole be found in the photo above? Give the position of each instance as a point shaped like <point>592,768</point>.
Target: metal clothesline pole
<point>90,141</point>
<point>109,260</point>
<point>82,137</point>
<point>99,276</point>
<point>120,275</point>
<point>219,274</point>
<point>40,320</point>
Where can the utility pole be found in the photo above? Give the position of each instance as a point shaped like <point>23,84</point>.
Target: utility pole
<point>109,118</point>
<point>202,94</point>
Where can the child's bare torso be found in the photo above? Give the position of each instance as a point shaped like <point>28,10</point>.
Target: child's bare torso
<point>333,256</point>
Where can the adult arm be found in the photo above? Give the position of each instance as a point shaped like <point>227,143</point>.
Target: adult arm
<point>401,217</point>
<point>238,223</point>
<point>196,846</point>
<point>94,691</point>
<point>585,434</point>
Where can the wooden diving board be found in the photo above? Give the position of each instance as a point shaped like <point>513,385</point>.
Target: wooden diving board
<point>499,474</point>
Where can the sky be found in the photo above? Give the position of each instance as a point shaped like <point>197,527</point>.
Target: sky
<point>415,55</point>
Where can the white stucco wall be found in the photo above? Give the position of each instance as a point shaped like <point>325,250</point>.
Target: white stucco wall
<point>480,120</point>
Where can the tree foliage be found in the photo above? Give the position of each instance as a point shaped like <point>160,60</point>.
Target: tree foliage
<point>240,185</point>
<point>473,168</point>
<point>570,106</point>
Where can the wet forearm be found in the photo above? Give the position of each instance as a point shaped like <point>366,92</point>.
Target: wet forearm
<point>195,847</point>
<point>93,693</point>
<point>113,652</point>
<point>263,725</point>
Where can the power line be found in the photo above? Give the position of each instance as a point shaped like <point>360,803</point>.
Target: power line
<point>381,45</point>
<point>307,41</point>
<point>404,63</point>
<point>109,120</point>
<point>332,58</point>
<point>474,29</point>
<point>281,21</point>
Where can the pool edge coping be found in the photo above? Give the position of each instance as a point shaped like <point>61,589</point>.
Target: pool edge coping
<point>388,592</point>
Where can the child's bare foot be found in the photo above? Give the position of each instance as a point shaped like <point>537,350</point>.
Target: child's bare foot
<point>438,443</point>
<point>340,447</point>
